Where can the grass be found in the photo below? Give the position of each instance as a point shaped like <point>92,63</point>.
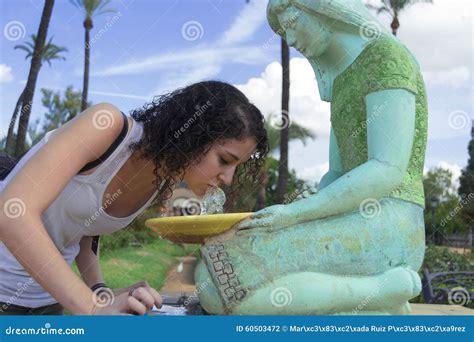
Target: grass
<point>152,261</point>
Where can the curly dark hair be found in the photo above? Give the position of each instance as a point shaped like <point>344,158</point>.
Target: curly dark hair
<point>180,127</point>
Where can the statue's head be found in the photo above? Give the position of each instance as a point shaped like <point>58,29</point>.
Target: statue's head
<point>308,25</point>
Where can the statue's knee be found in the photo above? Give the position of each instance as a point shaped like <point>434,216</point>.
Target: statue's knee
<point>208,295</point>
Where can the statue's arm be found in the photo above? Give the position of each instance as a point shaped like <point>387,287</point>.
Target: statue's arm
<point>390,131</point>
<point>335,165</point>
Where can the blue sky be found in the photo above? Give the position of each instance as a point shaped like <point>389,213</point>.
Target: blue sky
<point>150,47</point>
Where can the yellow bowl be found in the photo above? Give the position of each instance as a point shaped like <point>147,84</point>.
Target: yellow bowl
<point>194,228</point>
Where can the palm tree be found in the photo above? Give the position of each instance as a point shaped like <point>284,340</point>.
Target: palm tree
<point>91,8</point>
<point>295,132</point>
<point>393,8</point>
<point>28,93</point>
<point>49,52</point>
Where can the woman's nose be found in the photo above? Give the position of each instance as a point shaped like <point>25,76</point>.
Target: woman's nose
<point>226,177</point>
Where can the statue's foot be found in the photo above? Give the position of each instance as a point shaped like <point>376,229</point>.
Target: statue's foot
<point>309,293</point>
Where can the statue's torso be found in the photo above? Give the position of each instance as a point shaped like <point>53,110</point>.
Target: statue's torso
<point>383,64</point>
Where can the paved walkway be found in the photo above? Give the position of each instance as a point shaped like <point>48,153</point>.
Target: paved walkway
<point>180,280</point>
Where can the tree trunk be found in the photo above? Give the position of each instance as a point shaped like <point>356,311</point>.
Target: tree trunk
<point>395,25</point>
<point>285,100</point>
<point>32,77</point>
<point>11,128</point>
<point>87,51</point>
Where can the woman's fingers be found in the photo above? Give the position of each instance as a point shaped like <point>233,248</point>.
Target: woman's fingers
<point>134,306</point>
<point>144,296</point>
<point>156,296</point>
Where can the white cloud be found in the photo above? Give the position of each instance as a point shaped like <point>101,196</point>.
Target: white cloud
<point>314,173</point>
<point>440,36</point>
<point>5,73</point>
<point>454,77</point>
<point>306,108</point>
<point>250,18</point>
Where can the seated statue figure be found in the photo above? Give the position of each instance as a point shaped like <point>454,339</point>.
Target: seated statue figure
<point>354,244</point>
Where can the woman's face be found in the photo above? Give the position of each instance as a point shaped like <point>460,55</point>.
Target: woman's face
<point>217,166</point>
<point>304,32</point>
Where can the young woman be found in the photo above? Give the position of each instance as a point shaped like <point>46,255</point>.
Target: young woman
<point>99,171</point>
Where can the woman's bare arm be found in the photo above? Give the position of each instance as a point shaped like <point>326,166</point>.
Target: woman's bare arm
<point>88,263</point>
<point>37,185</point>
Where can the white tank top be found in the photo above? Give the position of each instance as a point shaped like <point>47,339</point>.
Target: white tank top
<point>75,213</point>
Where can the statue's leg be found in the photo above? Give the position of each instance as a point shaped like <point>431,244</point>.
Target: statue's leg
<point>333,265</point>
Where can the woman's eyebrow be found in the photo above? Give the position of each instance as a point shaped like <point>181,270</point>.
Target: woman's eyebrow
<point>232,155</point>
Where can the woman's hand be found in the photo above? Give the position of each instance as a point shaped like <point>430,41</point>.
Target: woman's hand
<point>267,220</point>
<point>136,299</point>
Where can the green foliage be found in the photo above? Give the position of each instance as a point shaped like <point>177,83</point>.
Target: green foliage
<point>295,185</point>
<point>296,132</point>
<point>440,259</point>
<point>50,51</point>
<point>136,233</point>
<point>60,109</point>
<point>438,185</point>
<point>466,188</point>
<point>92,8</point>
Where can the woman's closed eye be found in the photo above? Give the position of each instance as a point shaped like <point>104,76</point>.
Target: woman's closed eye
<point>223,161</point>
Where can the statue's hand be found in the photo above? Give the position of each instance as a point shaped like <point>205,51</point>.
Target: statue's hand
<point>267,220</point>
<point>305,194</point>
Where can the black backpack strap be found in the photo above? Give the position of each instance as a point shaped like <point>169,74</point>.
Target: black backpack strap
<point>95,244</point>
<point>111,149</point>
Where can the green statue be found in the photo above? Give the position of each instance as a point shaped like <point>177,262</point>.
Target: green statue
<point>354,244</point>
